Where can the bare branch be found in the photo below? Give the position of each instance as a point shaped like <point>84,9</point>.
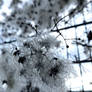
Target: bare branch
<point>74,26</point>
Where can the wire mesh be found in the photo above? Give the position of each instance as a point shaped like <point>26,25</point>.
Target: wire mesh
<point>77,35</point>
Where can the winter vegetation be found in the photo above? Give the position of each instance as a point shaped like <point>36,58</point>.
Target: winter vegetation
<point>30,57</point>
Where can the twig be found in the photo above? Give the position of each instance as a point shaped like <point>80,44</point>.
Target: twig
<point>8,42</point>
<point>74,26</point>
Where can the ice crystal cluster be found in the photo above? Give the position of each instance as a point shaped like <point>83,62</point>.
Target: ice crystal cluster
<point>30,60</point>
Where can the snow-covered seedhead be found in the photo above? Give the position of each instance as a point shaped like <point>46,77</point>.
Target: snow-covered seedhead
<point>10,79</point>
<point>35,65</point>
